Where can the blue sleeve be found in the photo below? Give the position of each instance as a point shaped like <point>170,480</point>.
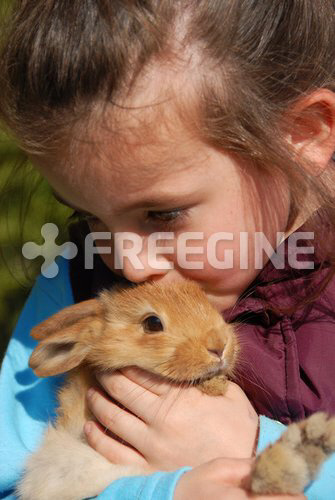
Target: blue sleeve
<point>158,486</point>
<point>323,488</point>
<point>27,402</point>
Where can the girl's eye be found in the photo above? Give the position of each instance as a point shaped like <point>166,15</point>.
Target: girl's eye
<point>152,324</point>
<point>166,217</point>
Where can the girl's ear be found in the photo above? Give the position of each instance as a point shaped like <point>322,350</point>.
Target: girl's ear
<point>66,338</point>
<point>312,129</point>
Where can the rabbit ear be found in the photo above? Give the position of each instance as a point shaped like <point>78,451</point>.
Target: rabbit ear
<point>66,349</point>
<point>67,317</point>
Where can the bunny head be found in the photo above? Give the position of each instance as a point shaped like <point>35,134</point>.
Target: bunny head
<point>170,330</point>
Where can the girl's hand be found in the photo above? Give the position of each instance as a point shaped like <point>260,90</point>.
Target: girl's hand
<point>222,478</point>
<point>168,426</point>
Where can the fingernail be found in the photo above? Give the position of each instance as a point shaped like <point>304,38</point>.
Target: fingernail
<point>88,427</point>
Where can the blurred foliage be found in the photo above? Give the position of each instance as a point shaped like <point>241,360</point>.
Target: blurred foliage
<point>26,203</point>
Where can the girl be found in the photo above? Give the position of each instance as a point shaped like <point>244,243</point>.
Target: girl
<point>210,117</point>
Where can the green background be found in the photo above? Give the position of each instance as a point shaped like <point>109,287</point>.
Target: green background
<point>26,203</point>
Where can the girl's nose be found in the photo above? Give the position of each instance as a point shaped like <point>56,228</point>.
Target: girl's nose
<point>138,275</point>
<point>138,266</point>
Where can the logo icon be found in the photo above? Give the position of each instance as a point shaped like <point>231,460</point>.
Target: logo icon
<point>49,250</point>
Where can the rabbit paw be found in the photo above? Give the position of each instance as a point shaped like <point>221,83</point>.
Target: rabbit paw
<point>294,460</point>
<point>215,386</point>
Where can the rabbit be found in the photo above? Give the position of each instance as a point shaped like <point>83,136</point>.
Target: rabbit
<point>171,331</point>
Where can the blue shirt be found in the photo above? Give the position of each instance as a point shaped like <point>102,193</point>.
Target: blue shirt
<point>27,403</point>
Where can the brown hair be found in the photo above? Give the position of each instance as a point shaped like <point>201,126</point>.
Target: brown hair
<point>58,58</point>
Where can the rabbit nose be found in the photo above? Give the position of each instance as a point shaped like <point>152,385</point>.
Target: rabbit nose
<point>216,352</point>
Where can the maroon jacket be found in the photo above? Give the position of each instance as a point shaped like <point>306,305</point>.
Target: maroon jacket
<point>287,362</point>
<point>287,365</point>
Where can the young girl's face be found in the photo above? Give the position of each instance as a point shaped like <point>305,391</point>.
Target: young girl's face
<point>147,173</point>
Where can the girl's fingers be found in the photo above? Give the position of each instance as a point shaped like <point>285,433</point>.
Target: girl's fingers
<point>134,397</point>
<point>117,420</point>
<point>153,383</point>
<point>111,449</point>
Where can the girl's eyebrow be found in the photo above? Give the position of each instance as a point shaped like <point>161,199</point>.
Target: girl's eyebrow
<point>154,202</point>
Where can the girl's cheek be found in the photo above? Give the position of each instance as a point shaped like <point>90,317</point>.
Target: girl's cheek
<point>217,254</point>
<point>227,266</point>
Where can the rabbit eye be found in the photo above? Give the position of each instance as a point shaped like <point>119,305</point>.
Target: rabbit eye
<point>152,324</point>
